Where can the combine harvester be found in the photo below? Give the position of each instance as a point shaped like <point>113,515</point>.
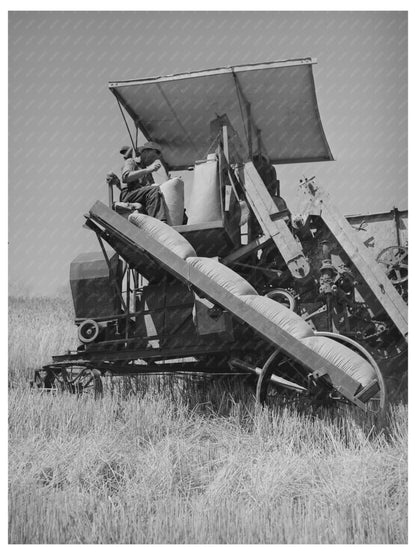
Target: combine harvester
<point>243,287</point>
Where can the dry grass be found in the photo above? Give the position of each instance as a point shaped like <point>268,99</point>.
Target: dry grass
<point>38,328</point>
<point>201,466</point>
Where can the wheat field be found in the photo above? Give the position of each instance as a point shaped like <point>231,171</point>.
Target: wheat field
<point>162,462</point>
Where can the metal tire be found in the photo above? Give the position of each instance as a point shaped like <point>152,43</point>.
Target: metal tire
<point>381,401</point>
<point>81,380</point>
<point>396,262</point>
<point>264,378</point>
<point>91,383</point>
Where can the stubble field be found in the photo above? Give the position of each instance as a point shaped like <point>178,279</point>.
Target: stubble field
<point>173,462</point>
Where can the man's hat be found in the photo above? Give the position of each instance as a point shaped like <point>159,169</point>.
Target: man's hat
<point>150,146</point>
<point>126,150</point>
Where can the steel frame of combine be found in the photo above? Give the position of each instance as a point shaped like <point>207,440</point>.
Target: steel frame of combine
<point>109,225</point>
<point>123,357</point>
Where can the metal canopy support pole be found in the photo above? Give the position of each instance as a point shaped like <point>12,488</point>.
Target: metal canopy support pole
<point>251,125</point>
<point>250,226</point>
<point>125,121</point>
<point>396,215</point>
<point>221,177</point>
<point>135,286</point>
<point>259,141</point>
<point>227,188</point>
<point>225,143</point>
<point>127,301</point>
<point>249,134</point>
<point>130,112</point>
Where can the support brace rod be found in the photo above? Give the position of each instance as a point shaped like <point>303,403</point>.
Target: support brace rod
<point>274,379</point>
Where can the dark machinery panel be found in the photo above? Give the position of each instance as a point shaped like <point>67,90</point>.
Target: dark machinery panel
<point>94,285</point>
<point>172,317</point>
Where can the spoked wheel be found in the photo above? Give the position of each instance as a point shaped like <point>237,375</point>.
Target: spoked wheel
<point>78,379</point>
<point>269,381</point>
<point>85,381</point>
<point>90,383</point>
<point>44,380</point>
<point>395,263</point>
<point>375,398</point>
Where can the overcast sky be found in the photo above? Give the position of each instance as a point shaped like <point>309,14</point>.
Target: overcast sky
<point>65,128</point>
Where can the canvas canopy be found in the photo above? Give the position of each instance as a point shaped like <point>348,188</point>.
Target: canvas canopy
<point>276,99</point>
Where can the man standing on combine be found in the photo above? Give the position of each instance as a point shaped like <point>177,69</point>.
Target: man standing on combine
<point>140,184</point>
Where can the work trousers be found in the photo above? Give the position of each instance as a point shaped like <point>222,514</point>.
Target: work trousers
<point>152,199</point>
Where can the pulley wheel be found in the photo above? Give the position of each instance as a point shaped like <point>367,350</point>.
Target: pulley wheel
<point>395,262</point>
<point>284,297</point>
<point>88,331</point>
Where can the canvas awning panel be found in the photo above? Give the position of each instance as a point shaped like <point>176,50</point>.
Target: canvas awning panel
<point>176,111</point>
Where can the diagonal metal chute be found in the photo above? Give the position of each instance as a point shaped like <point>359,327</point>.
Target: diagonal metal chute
<point>274,228</point>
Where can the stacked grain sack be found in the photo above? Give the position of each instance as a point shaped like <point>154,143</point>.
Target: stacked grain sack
<point>278,315</point>
<point>173,193</point>
<point>205,203</point>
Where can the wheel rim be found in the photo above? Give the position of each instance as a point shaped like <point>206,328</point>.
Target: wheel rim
<point>88,331</point>
<point>378,403</point>
<point>89,382</point>
<point>265,379</point>
<point>78,379</point>
<point>395,263</point>
<point>283,297</point>
<point>44,380</point>
<point>93,384</point>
